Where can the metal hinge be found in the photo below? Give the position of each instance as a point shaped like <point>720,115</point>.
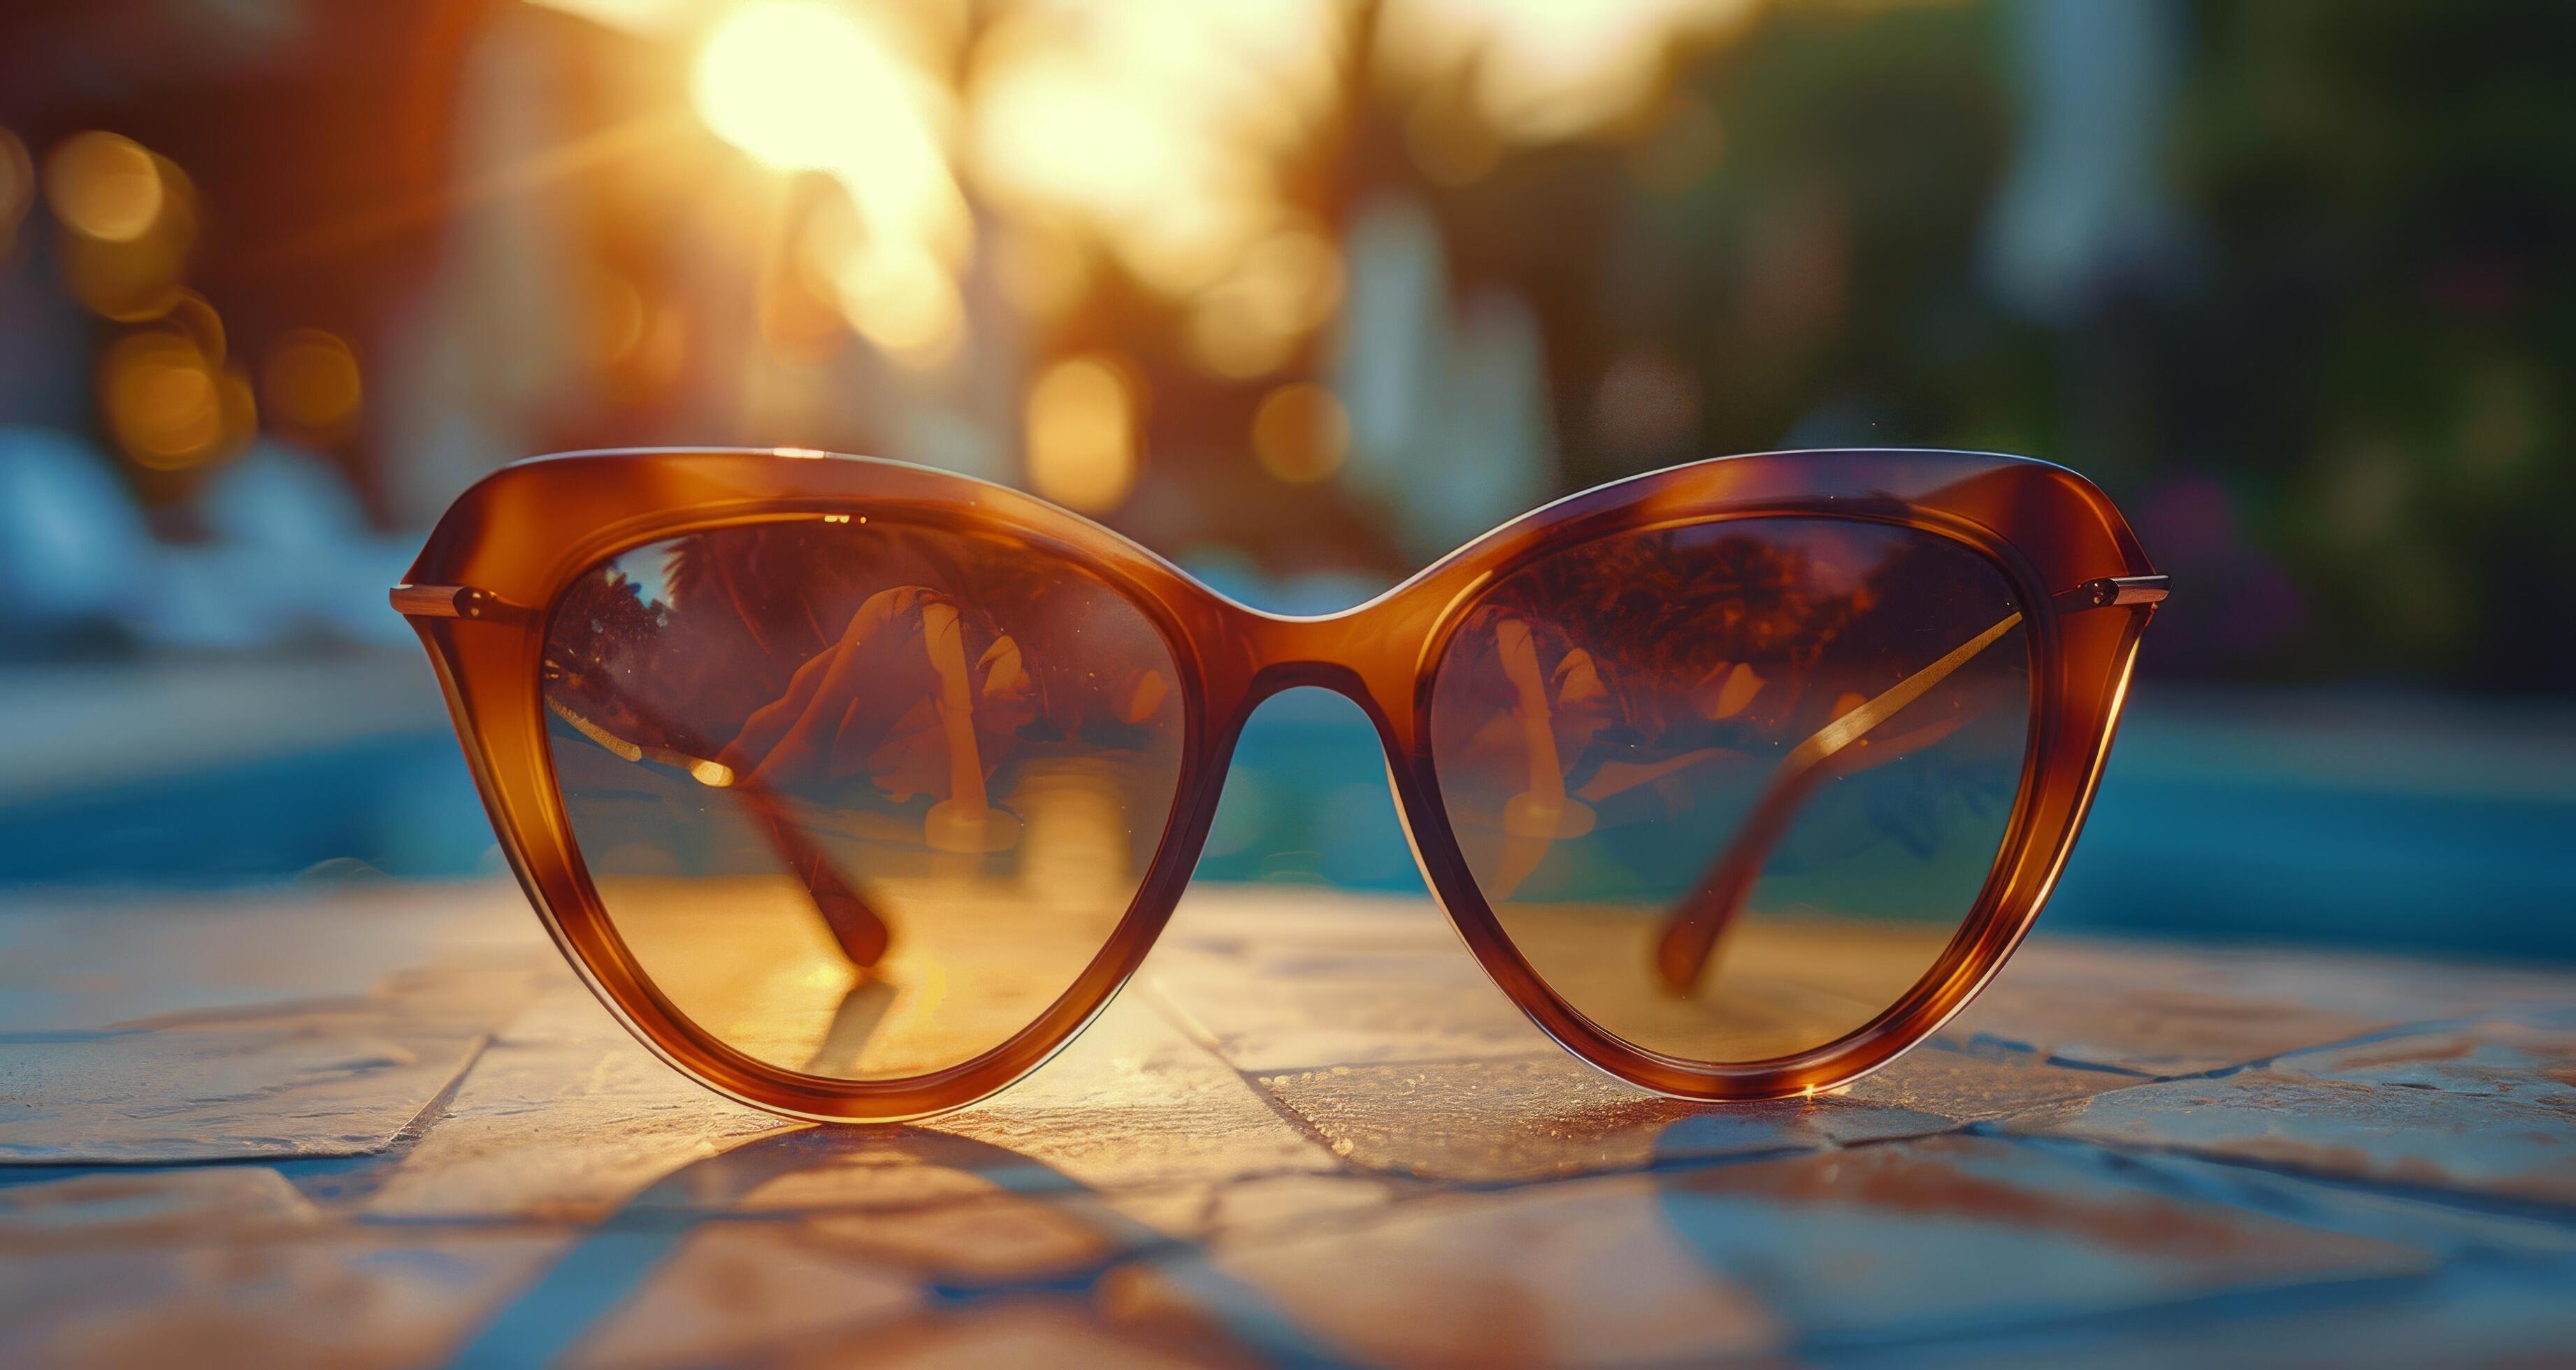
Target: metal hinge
<point>2112,592</point>
<point>445,601</point>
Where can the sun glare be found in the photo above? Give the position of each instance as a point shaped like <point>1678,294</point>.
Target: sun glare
<point>1161,136</point>
<point>1156,125</point>
<point>804,86</point>
<point>1543,70</point>
<point>784,80</point>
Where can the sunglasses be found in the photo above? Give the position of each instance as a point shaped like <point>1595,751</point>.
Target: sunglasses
<point>855,789</point>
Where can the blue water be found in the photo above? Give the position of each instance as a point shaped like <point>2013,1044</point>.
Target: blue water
<point>2185,840</point>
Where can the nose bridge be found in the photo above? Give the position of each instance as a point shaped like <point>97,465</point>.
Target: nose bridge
<point>1366,654</point>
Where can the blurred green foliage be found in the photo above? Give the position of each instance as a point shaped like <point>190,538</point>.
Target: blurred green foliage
<point>2333,399</point>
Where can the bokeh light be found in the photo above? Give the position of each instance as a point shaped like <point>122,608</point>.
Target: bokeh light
<point>1305,293</point>
<point>1300,433</point>
<point>127,223</point>
<point>1158,126</point>
<point>634,16</point>
<point>904,302</point>
<point>1042,268</point>
<point>1450,139</point>
<point>1251,321</point>
<point>194,315</point>
<point>168,405</point>
<point>105,186</point>
<point>1538,70</point>
<point>1532,243</point>
<point>787,80</point>
<point>309,384</point>
<point>1082,433</point>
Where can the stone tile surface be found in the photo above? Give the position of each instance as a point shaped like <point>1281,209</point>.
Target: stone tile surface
<point>1310,1134</point>
<point>2487,1106</point>
<point>1587,1272</point>
<point>1956,1234</point>
<point>303,1025</point>
<point>219,1095</point>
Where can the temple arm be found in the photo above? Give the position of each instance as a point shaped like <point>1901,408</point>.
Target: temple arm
<point>1692,932</point>
<point>855,926</point>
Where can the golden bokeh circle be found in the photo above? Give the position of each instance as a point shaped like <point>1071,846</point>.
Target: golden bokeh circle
<point>1300,433</point>
<point>105,186</point>
<point>163,400</point>
<point>309,382</point>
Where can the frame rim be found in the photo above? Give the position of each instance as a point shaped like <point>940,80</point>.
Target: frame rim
<point>1892,1031</point>
<point>487,644</point>
<point>1140,921</point>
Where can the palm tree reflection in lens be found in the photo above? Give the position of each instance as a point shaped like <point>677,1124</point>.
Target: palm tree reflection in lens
<point>1691,934</point>
<point>1800,735</point>
<point>933,717</point>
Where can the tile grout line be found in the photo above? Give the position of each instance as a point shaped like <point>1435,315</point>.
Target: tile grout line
<point>1204,1040</point>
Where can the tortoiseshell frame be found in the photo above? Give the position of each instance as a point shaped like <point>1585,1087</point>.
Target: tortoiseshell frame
<point>479,592</point>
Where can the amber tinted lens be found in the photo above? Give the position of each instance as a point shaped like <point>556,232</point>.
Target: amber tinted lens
<point>862,799</point>
<point>1732,788</point>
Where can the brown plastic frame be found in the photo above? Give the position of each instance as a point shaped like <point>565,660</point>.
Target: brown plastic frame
<point>480,590</point>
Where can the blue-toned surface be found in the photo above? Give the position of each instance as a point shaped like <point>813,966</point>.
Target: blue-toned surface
<point>401,804</point>
<point>2226,817</point>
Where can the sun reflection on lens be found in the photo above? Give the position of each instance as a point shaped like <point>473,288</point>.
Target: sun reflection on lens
<point>1077,827</point>
<point>1082,447</point>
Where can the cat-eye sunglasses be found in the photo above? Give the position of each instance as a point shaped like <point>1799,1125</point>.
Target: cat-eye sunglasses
<point>856,788</point>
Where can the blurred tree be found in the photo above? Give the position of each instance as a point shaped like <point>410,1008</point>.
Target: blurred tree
<point>2332,395</point>
<point>2381,356</point>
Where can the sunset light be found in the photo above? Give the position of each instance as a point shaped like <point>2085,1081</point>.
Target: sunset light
<point>1159,125</point>
<point>1082,440</point>
<point>1547,69</point>
<point>804,86</point>
<point>1527,575</point>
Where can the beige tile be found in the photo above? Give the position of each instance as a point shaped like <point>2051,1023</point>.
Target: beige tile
<point>1575,1273</point>
<point>348,1296</point>
<point>564,1118</point>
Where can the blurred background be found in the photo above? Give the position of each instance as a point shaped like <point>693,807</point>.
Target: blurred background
<point>1303,293</point>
